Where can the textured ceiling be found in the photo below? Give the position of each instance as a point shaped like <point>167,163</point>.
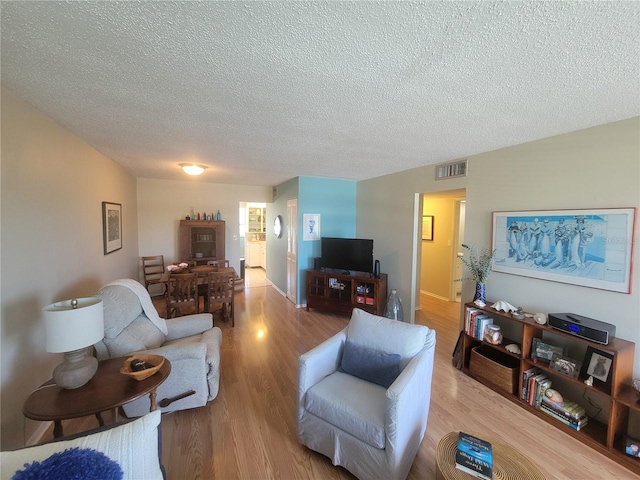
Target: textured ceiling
<point>265,91</point>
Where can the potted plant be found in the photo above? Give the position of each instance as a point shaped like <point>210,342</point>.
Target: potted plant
<point>479,264</point>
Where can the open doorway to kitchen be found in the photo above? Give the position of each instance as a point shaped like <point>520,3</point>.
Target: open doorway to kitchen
<point>253,243</point>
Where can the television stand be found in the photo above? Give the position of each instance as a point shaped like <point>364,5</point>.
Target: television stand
<point>340,293</point>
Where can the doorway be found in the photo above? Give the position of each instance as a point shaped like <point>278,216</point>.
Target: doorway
<point>252,222</point>
<point>440,268</point>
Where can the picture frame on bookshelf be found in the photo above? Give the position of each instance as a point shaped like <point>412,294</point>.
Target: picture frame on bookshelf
<point>586,247</point>
<point>597,364</point>
<point>632,446</point>
<point>565,365</point>
<point>544,351</point>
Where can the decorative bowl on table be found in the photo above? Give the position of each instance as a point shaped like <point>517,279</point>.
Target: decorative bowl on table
<point>140,367</point>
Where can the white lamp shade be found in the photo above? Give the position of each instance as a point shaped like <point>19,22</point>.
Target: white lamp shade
<point>69,328</point>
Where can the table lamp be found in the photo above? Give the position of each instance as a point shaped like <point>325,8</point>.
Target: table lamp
<point>72,326</point>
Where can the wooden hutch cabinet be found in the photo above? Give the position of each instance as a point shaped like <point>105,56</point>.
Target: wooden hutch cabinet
<point>202,240</point>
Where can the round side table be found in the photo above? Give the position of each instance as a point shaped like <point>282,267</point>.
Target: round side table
<point>107,390</point>
<point>508,463</point>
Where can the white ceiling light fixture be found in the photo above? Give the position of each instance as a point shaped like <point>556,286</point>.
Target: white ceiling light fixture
<point>192,168</point>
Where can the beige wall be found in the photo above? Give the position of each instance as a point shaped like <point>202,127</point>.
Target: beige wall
<point>592,168</point>
<point>52,190</point>
<point>163,203</point>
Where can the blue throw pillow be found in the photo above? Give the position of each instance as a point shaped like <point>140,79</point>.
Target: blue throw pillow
<point>83,463</point>
<point>369,364</point>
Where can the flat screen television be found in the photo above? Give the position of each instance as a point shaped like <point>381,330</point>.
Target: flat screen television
<point>353,254</point>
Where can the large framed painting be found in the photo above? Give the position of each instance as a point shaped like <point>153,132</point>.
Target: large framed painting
<point>591,248</point>
<point>111,227</point>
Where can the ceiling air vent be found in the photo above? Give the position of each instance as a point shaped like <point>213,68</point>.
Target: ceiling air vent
<point>451,170</point>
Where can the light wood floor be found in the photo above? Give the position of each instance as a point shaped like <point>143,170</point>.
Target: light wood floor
<point>249,430</point>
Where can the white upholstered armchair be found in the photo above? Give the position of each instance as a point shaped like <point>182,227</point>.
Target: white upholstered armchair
<point>364,394</point>
<point>191,343</point>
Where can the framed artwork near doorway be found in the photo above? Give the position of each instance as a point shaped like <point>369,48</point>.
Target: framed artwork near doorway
<point>589,247</point>
<point>427,227</point>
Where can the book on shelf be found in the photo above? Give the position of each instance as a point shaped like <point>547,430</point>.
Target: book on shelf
<point>571,422</point>
<point>474,456</point>
<point>569,409</point>
<point>481,323</point>
<point>526,375</point>
<point>543,385</point>
<point>534,387</point>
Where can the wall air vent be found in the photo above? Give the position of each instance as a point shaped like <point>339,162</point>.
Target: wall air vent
<point>451,170</point>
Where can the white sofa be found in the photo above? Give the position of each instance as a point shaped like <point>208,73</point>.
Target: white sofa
<point>373,430</point>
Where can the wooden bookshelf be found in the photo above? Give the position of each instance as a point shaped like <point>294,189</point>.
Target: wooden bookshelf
<point>605,435</point>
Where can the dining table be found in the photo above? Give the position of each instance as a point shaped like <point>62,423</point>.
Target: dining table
<point>202,272</point>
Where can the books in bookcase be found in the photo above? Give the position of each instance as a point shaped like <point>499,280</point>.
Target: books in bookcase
<point>475,322</point>
<point>474,456</point>
<point>571,422</point>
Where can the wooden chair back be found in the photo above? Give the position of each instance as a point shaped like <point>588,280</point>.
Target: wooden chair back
<point>218,263</point>
<point>152,268</point>
<point>182,294</point>
<point>220,290</point>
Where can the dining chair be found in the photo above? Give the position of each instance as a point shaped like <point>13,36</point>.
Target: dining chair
<point>218,263</point>
<point>220,290</point>
<point>153,268</point>
<point>182,294</point>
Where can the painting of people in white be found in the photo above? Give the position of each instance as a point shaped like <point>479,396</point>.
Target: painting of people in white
<point>584,247</point>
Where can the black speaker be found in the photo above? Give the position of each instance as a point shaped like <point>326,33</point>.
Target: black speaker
<point>317,263</point>
<point>376,269</point>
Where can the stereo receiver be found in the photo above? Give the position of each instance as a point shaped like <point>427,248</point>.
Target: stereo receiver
<point>583,327</point>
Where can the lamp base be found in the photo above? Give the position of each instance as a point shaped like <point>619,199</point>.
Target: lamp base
<point>76,370</point>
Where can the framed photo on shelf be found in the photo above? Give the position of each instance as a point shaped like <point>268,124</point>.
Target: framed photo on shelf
<point>632,446</point>
<point>427,227</point>
<point>565,365</point>
<point>111,227</point>
<point>590,248</point>
<point>597,364</point>
<point>544,351</point>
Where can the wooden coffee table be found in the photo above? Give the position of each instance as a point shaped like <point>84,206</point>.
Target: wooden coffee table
<point>107,390</point>
<point>508,463</point>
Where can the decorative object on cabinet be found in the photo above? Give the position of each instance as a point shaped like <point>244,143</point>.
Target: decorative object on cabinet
<point>72,326</point>
<point>311,226</point>
<point>605,430</point>
<point>513,348</point>
<point>597,364</point>
<point>591,248</point>
<point>479,264</point>
<point>503,306</point>
<point>427,227</point>
<point>111,226</point>
<point>393,308</point>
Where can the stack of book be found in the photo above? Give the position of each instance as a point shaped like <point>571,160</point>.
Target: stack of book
<point>474,456</point>
<point>534,385</point>
<point>569,413</point>
<point>475,322</point>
